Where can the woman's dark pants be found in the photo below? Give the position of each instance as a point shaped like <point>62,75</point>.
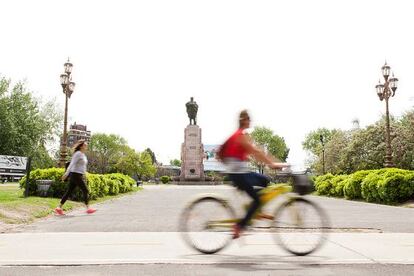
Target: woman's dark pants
<point>246,182</point>
<point>76,179</point>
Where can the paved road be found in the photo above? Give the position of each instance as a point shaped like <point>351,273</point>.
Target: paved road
<point>356,248</point>
<point>217,269</point>
<point>157,209</point>
<point>65,248</point>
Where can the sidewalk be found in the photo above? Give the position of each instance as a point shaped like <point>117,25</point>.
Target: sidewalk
<point>168,247</point>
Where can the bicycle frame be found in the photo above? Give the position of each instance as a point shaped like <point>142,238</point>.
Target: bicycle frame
<point>266,195</point>
<point>290,216</point>
<point>272,191</point>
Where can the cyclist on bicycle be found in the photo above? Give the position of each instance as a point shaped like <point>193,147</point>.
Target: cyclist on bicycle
<point>234,153</point>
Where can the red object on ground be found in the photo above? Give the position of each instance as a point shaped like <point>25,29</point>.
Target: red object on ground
<point>90,211</point>
<point>59,211</point>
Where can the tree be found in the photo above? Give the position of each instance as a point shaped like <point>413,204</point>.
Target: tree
<point>366,149</point>
<point>334,153</point>
<point>27,125</point>
<point>111,153</point>
<point>104,152</point>
<point>41,159</point>
<point>313,145</point>
<point>313,142</point>
<point>153,158</point>
<point>271,143</point>
<point>175,162</point>
<point>128,163</point>
<point>403,142</point>
<point>145,167</point>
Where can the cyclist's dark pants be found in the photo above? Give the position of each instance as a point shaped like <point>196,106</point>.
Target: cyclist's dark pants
<point>246,182</point>
<point>76,179</point>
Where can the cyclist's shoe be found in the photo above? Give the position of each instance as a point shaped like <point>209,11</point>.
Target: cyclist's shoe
<point>90,211</point>
<point>236,231</point>
<point>59,211</point>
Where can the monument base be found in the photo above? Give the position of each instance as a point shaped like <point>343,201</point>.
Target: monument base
<point>192,154</point>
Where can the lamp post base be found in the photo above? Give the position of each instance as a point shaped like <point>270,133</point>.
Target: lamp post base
<point>388,163</point>
<point>62,160</point>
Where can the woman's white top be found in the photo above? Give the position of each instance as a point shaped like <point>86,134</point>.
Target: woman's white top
<point>78,163</point>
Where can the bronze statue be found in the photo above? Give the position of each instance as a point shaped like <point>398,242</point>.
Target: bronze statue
<point>192,108</point>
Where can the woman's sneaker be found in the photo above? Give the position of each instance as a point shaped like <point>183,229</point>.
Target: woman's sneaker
<point>90,211</point>
<point>59,211</point>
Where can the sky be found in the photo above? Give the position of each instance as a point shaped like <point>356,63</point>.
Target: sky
<point>295,65</point>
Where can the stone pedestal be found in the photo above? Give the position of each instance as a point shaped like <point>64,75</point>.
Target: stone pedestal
<point>192,153</point>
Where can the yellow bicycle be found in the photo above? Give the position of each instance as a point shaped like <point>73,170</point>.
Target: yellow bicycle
<point>299,224</point>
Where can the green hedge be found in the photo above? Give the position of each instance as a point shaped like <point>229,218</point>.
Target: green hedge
<point>99,185</point>
<point>338,184</point>
<point>323,184</point>
<point>382,186</point>
<point>352,188</point>
<point>396,187</point>
<point>165,179</point>
<point>370,185</point>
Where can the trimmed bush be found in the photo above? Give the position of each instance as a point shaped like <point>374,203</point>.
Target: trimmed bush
<point>352,188</point>
<point>338,184</point>
<point>124,182</point>
<point>369,186</point>
<point>165,179</point>
<point>397,186</point>
<point>387,186</point>
<point>323,184</point>
<point>54,174</point>
<point>98,185</point>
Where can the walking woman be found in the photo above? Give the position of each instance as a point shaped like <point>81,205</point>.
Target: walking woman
<point>77,176</point>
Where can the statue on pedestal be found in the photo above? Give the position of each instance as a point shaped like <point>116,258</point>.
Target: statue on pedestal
<point>192,108</point>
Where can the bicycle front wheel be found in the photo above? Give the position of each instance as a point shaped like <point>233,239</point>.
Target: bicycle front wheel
<point>300,226</point>
<point>206,224</point>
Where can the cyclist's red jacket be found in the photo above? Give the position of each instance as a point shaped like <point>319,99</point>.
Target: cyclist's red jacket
<point>232,147</point>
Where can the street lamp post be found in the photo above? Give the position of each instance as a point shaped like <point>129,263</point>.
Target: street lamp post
<point>68,88</point>
<point>323,153</point>
<point>385,92</point>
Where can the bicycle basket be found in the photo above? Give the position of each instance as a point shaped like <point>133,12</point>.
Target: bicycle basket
<point>302,184</point>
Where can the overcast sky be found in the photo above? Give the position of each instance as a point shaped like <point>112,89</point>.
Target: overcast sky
<point>295,65</point>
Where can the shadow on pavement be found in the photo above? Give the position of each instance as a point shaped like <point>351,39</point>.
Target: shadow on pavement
<point>225,259</point>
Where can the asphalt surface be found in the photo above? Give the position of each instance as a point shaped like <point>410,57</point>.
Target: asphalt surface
<point>157,208</point>
<point>290,269</point>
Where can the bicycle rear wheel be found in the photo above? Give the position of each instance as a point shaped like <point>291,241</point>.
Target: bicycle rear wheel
<point>300,226</point>
<point>206,224</point>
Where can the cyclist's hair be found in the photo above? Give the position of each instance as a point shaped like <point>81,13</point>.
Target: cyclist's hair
<point>243,116</point>
<point>78,145</point>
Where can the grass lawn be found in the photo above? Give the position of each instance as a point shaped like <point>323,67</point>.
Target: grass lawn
<point>16,209</point>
